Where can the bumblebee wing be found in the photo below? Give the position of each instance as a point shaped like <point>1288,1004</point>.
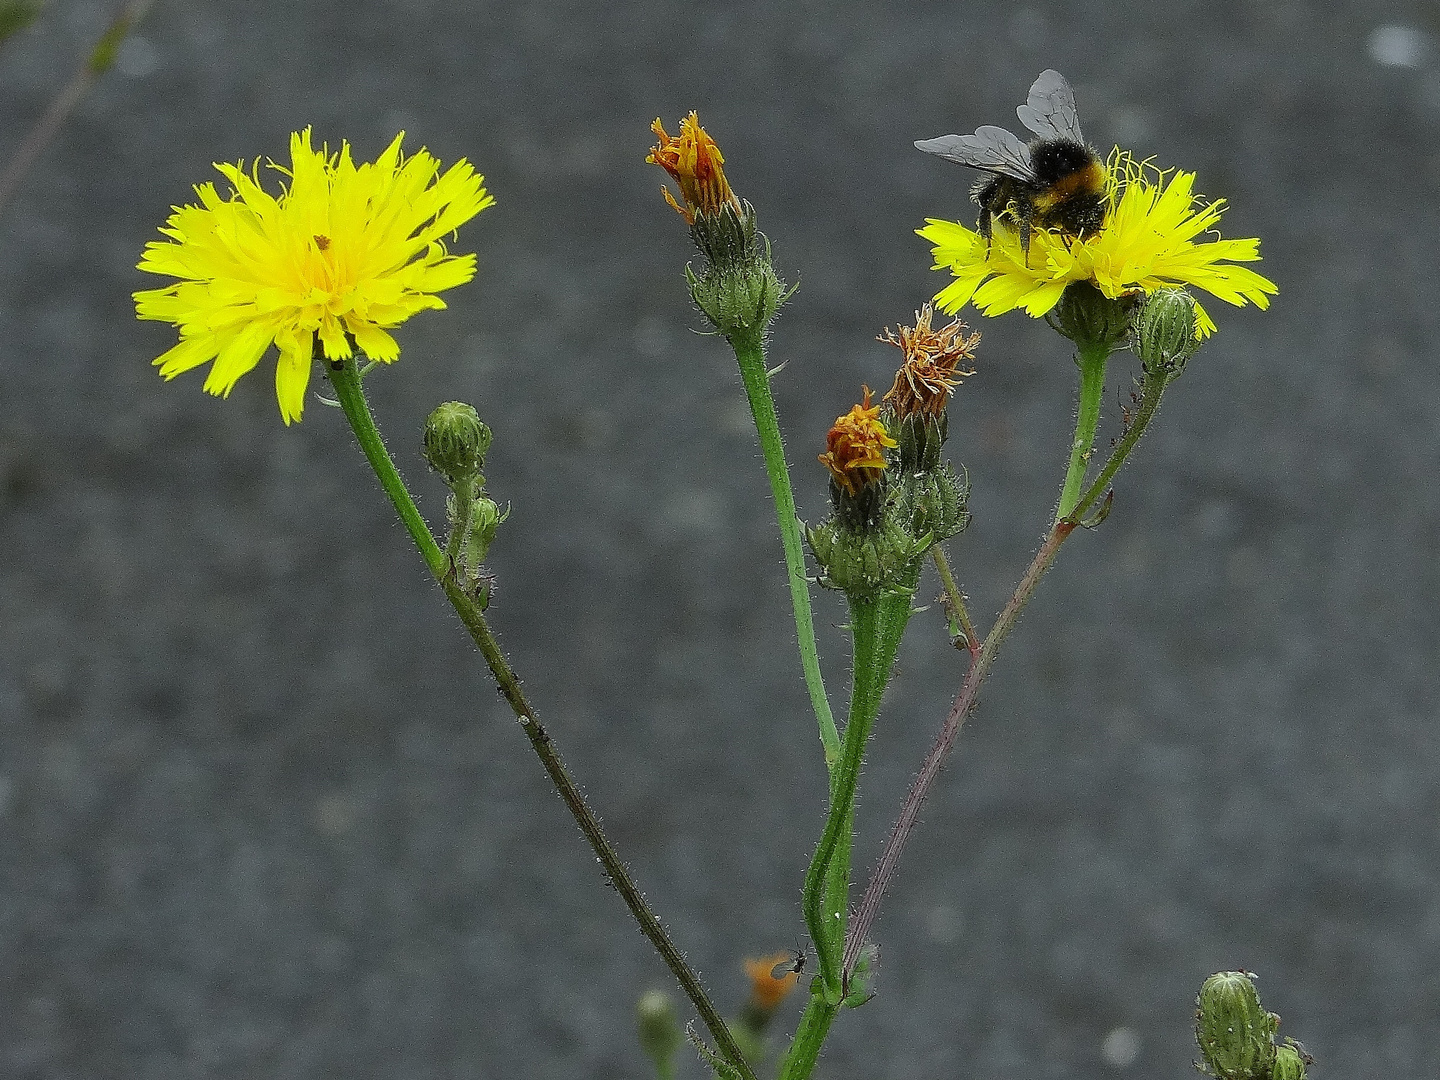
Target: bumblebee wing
<point>1050,111</point>
<point>991,148</point>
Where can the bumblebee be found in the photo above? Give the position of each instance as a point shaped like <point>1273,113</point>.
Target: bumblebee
<point>1056,181</point>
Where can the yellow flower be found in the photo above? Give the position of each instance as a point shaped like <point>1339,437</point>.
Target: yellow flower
<point>1148,242</point>
<point>343,253</point>
<point>694,162</point>
<point>856,445</point>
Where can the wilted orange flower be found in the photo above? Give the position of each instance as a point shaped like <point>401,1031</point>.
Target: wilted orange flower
<point>766,990</point>
<point>693,160</point>
<point>855,447</point>
<point>931,370</point>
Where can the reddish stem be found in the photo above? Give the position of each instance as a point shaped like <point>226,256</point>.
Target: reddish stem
<point>969,693</point>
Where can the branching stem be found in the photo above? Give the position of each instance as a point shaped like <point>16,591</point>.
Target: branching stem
<point>344,377</point>
<point>1091,379</point>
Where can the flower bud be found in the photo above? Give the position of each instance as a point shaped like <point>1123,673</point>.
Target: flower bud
<point>1089,318</point>
<point>485,518</point>
<point>1165,332</point>
<point>659,1029</point>
<point>739,298</point>
<point>932,503</point>
<point>866,563</point>
<point>921,437</point>
<point>737,288</point>
<point>855,455</point>
<point>1290,1062</point>
<point>455,442</point>
<point>1236,1035</point>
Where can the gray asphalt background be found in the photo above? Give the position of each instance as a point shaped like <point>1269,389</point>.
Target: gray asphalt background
<point>261,812</point>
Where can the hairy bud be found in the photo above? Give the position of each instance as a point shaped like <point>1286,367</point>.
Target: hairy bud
<point>1089,318</point>
<point>1165,333</point>
<point>1236,1035</point>
<point>455,442</point>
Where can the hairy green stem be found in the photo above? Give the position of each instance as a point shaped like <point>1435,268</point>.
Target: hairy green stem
<point>877,626</point>
<point>1091,361</point>
<point>750,352</point>
<point>809,1038</point>
<point>464,495</point>
<point>823,899</point>
<point>346,380</point>
<point>956,599</point>
<point>1151,390</point>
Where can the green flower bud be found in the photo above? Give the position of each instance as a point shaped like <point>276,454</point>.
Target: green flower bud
<point>1290,1062</point>
<point>738,289</point>
<point>455,442</point>
<point>1165,332</point>
<point>921,437</point>
<point>1088,317</point>
<point>932,503</point>
<point>659,1030</point>
<point>865,563</point>
<point>740,299</point>
<point>1236,1035</point>
<point>729,238</point>
<point>485,518</point>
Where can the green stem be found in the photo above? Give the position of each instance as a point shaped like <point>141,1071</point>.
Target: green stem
<point>460,529</point>
<point>876,626</point>
<point>809,1038</point>
<point>750,352</point>
<point>1091,361</point>
<point>346,380</point>
<point>956,598</point>
<point>1151,390</point>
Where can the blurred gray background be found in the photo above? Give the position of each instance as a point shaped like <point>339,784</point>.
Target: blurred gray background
<point>261,812</point>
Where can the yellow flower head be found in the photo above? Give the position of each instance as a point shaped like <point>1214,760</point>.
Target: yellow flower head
<point>1148,241</point>
<point>931,370</point>
<point>344,252</point>
<point>767,990</point>
<point>855,447</point>
<point>694,162</point>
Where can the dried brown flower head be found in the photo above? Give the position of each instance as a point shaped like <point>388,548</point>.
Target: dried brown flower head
<point>935,362</point>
